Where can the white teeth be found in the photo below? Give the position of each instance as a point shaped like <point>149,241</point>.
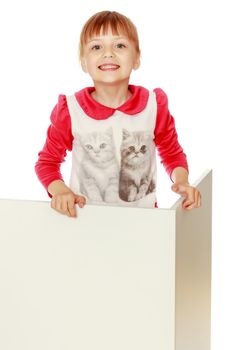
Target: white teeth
<point>108,66</point>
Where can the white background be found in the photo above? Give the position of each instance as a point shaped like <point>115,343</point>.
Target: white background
<point>186,50</point>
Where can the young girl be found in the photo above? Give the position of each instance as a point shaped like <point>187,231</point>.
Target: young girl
<point>112,128</point>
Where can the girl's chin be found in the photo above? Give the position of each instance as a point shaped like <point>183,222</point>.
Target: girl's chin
<point>111,81</point>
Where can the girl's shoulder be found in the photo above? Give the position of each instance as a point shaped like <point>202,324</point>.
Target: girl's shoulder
<point>60,113</point>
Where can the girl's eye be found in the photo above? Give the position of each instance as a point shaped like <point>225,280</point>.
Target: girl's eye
<point>96,47</point>
<point>120,45</point>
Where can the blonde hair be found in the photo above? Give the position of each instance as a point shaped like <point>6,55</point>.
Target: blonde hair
<point>119,24</point>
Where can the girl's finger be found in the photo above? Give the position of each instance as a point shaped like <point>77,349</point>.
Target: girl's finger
<point>71,209</point>
<point>190,207</point>
<point>186,203</point>
<point>197,199</point>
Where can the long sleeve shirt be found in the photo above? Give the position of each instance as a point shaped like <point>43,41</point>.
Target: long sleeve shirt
<point>60,138</point>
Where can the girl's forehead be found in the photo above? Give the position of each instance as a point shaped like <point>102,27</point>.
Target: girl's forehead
<point>107,38</point>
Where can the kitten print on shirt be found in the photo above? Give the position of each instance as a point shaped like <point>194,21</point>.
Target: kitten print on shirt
<point>103,179</point>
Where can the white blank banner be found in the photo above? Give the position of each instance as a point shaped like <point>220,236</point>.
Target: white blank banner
<point>111,279</point>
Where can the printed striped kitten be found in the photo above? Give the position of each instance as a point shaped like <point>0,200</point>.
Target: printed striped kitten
<point>135,174</point>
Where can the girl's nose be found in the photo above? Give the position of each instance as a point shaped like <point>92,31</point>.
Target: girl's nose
<point>108,53</point>
<point>108,56</point>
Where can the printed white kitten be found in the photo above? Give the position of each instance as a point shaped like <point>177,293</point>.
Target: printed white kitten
<point>99,177</point>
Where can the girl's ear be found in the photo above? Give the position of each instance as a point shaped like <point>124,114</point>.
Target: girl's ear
<point>137,62</point>
<point>83,65</point>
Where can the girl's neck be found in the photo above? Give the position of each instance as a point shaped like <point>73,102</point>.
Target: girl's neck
<point>111,96</point>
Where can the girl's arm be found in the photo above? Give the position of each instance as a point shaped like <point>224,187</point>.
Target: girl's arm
<point>171,153</point>
<point>59,140</point>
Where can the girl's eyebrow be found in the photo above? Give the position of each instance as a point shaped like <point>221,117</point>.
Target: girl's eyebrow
<point>100,38</point>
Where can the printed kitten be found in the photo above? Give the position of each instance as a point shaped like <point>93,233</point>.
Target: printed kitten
<point>99,178</point>
<point>135,173</point>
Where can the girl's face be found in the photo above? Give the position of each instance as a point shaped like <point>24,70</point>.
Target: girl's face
<point>109,58</point>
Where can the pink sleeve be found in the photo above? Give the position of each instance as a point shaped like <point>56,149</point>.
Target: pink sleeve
<point>166,139</point>
<point>59,140</point>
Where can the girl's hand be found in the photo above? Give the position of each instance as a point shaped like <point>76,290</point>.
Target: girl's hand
<point>192,196</point>
<point>65,202</point>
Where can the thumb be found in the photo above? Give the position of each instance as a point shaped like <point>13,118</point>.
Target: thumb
<point>180,189</point>
<point>174,187</point>
<point>80,200</point>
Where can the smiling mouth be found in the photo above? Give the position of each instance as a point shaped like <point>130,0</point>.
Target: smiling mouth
<point>108,67</point>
